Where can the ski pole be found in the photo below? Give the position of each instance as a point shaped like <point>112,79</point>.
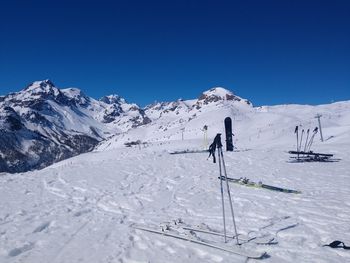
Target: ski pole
<point>301,139</point>
<point>297,132</point>
<point>312,138</point>
<point>217,144</point>
<point>310,141</point>
<point>229,194</point>
<point>307,137</point>
<point>222,197</point>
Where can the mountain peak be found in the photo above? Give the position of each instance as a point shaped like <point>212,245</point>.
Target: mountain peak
<point>41,83</point>
<point>218,91</point>
<point>42,86</point>
<point>219,94</point>
<point>113,99</point>
<point>76,95</point>
<point>216,94</point>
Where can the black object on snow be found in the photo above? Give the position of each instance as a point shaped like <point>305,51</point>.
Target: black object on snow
<point>310,156</point>
<point>216,143</point>
<point>228,131</point>
<point>337,244</point>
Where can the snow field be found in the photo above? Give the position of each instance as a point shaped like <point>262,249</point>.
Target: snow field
<point>82,209</point>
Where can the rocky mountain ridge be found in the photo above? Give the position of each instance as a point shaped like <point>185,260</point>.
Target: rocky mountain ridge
<point>43,124</point>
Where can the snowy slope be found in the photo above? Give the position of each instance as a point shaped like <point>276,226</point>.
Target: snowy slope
<point>251,125</point>
<point>171,120</point>
<point>82,209</point>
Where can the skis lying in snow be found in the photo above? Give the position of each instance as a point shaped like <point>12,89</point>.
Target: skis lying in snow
<point>302,156</point>
<point>246,182</point>
<point>232,249</point>
<point>311,153</point>
<point>189,151</point>
<point>263,240</point>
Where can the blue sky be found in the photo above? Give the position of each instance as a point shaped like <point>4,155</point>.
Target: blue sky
<point>270,52</point>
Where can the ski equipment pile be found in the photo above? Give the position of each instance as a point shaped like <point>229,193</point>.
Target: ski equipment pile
<point>302,156</point>
<point>307,155</point>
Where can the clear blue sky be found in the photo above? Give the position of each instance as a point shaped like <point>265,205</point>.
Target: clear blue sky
<point>270,52</point>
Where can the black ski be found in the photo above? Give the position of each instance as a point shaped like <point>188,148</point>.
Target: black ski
<point>311,153</point>
<point>228,131</point>
<point>302,156</point>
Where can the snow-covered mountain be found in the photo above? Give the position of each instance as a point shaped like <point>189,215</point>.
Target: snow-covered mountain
<point>185,119</point>
<point>169,120</point>
<point>43,124</point>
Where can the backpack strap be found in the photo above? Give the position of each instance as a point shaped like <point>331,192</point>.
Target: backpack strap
<point>212,149</point>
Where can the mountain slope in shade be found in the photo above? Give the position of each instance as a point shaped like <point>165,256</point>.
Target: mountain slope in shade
<point>43,124</point>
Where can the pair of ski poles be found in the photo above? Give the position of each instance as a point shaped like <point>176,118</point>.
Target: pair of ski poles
<point>308,144</point>
<point>222,169</point>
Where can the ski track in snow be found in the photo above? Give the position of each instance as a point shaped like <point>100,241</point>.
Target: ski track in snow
<point>82,209</point>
